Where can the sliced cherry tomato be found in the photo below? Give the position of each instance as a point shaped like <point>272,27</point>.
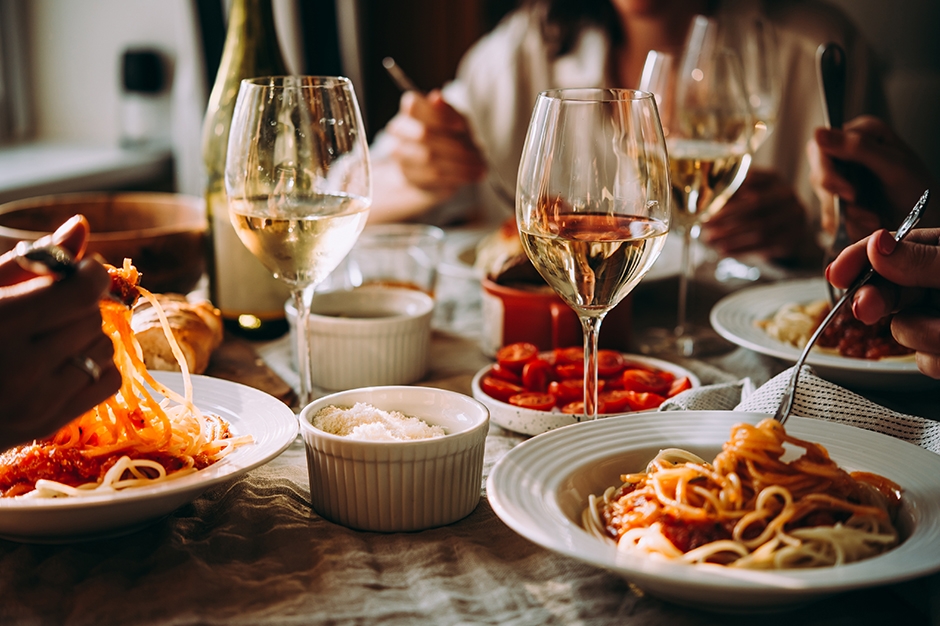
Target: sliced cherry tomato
<point>498,388</point>
<point>632,365</point>
<point>537,374</point>
<point>609,363</point>
<point>570,371</point>
<point>533,400</point>
<point>613,383</point>
<point>647,381</point>
<point>679,385</point>
<point>514,356</point>
<point>566,391</point>
<point>577,408</point>
<point>616,400</point>
<point>568,355</point>
<point>642,401</point>
<point>500,371</point>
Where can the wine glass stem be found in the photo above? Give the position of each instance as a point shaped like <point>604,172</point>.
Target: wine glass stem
<point>685,277</point>
<point>592,328</point>
<point>302,304</point>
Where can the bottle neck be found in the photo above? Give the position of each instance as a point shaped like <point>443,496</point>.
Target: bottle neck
<point>251,43</point>
<point>251,50</point>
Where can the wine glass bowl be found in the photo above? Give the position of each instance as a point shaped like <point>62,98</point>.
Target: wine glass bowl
<point>592,201</point>
<point>754,38</point>
<point>709,138</point>
<point>298,182</point>
<point>709,131</point>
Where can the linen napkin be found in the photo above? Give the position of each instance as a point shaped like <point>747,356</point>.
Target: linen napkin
<point>815,398</point>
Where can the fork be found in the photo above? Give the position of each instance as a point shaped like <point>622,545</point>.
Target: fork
<point>789,394</point>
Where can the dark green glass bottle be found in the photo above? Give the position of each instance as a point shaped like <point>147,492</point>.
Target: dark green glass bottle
<point>250,298</point>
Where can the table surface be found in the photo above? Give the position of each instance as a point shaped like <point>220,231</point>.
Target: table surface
<point>254,552</point>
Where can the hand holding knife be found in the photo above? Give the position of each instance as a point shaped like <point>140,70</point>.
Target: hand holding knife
<point>404,83</point>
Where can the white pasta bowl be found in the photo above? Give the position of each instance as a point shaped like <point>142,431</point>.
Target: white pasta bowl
<point>541,487</point>
<point>398,486</point>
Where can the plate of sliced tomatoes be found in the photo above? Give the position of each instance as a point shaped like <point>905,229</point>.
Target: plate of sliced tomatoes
<point>531,392</point>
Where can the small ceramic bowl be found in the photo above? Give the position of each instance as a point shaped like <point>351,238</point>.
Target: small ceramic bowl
<point>532,422</point>
<point>368,336</point>
<point>398,486</point>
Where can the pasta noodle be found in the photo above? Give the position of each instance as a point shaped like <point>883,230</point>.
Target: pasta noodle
<point>130,439</point>
<point>794,323</point>
<point>748,508</point>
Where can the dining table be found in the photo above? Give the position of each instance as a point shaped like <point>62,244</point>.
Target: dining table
<point>253,551</point>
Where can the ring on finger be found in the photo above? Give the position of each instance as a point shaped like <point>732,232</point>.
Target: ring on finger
<point>87,365</point>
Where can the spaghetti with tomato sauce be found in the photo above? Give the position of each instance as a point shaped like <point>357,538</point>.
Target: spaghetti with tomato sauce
<point>748,508</point>
<point>130,439</point>
<point>795,323</point>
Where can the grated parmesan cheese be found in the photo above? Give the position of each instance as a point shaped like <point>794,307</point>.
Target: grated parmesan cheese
<point>367,423</point>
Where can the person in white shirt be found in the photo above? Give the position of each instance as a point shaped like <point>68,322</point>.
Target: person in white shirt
<point>453,153</point>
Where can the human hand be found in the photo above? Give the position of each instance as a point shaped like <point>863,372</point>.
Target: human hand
<point>908,284</point>
<point>434,145</point>
<point>896,176</point>
<point>763,216</point>
<point>45,326</point>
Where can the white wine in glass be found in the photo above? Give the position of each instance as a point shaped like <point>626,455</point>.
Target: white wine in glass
<point>701,171</point>
<point>708,133</point>
<point>299,183</point>
<point>592,202</point>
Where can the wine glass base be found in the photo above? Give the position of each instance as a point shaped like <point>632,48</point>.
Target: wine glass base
<point>731,270</point>
<point>694,341</point>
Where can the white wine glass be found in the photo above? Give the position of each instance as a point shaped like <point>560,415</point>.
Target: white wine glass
<point>592,202</point>
<point>754,38</point>
<point>658,78</point>
<point>299,183</point>
<point>708,127</point>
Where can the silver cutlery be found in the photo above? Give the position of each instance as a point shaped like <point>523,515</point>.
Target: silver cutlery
<point>44,259</point>
<point>789,394</point>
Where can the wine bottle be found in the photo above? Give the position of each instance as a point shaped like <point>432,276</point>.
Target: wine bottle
<point>250,298</point>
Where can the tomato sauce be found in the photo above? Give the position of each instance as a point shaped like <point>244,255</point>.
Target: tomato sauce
<point>854,339</point>
<point>687,535</point>
<point>22,466</point>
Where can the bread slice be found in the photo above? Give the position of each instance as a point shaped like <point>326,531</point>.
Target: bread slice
<point>197,327</point>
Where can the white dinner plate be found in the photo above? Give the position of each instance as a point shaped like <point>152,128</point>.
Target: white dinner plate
<point>533,422</point>
<point>540,487</point>
<point>269,421</point>
<point>735,318</point>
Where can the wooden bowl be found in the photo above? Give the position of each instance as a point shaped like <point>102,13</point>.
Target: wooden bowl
<point>164,234</point>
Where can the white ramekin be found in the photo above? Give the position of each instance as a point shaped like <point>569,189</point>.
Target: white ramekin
<point>398,486</point>
<point>368,336</point>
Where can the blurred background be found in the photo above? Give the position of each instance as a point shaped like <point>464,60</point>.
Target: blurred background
<point>110,94</point>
